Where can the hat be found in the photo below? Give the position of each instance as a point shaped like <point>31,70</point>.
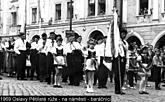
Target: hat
<point>143,48</point>
<point>58,36</point>
<point>59,39</point>
<point>36,36</point>
<point>91,41</point>
<point>52,33</point>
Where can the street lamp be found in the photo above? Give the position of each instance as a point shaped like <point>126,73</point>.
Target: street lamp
<point>71,14</point>
<point>69,32</point>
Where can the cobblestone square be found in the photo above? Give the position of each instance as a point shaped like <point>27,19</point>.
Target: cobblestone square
<point>13,87</point>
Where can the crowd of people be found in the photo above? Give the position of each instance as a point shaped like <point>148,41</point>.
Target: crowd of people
<point>145,62</point>
<point>55,61</point>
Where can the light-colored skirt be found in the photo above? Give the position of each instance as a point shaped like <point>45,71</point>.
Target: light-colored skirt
<point>60,61</point>
<point>90,65</point>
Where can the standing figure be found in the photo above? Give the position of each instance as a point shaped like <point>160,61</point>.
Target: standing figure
<point>34,57</point>
<point>51,43</point>
<point>121,63</point>
<point>132,69</point>
<point>74,60</point>
<point>163,70</point>
<point>90,65</point>
<point>102,72</point>
<point>59,61</point>
<point>1,57</point>
<point>157,64</point>
<point>143,65</point>
<point>20,49</point>
<point>11,62</point>
<point>79,40</point>
<point>42,48</point>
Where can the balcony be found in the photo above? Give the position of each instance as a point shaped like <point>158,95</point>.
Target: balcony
<point>143,18</point>
<point>14,29</point>
<point>12,1</point>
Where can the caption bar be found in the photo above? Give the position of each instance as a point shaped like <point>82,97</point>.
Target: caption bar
<point>55,98</point>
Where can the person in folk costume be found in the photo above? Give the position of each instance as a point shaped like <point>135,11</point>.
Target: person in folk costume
<point>78,63</point>
<point>20,49</point>
<point>6,54</point>
<point>90,65</point>
<point>143,68</point>
<point>121,62</point>
<point>150,55</point>
<point>74,60</point>
<point>50,42</point>
<point>4,50</point>
<point>59,61</point>
<point>34,57</point>
<point>157,64</point>
<point>163,70</point>
<point>132,69</point>
<point>10,59</point>
<point>102,71</point>
<point>43,52</point>
<point>1,56</point>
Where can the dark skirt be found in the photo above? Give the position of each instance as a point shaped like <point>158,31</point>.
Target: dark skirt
<point>9,61</point>
<point>75,62</point>
<point>156,73</point>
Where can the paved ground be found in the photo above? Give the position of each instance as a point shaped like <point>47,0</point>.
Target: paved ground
<point>12,87</point>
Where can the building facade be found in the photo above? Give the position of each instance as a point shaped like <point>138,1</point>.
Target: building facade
<point>12,17</point>
<point>144,19</point>
<point>91,18</point>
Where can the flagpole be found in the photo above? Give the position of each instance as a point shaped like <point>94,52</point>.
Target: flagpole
<point>25,17</point>
<point>121,13</point>
<point>39,17</point>
<point>121,25</point>
<point>118,55</point>
<point>119,74</point>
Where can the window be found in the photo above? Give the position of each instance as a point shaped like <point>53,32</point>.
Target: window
<point>34,15</point>
<point>143,7</point>
<point>91,7</point>
<point>14,18</point>
<point>69,10</point>
<point>101,7</point>
<point>58,12</point>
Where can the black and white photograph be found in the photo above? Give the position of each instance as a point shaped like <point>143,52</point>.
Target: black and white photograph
<point>82,50</point>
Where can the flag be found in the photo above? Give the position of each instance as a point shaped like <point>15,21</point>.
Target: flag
<point>115,36</point>
<point>112,42</point>
<point>107,51</point>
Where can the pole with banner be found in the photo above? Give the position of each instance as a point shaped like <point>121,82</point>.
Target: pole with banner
<point>115,43</point>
